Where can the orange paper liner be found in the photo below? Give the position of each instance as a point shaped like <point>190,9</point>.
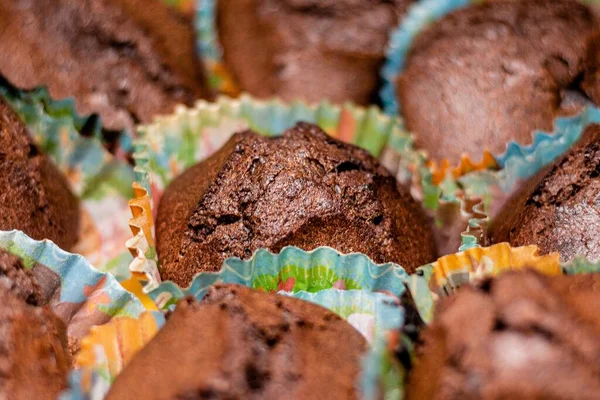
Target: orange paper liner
<point>120,340</point>
<point>474,264</point>
<point>466,165</point>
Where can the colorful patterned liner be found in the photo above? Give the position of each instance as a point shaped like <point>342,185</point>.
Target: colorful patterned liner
<point>100,180</point>
<point>293,270</point>
<point>449,273</point>
<point>174,143</point>
<point>108,348</point>
<point>81,295</point>
<point>521,160</point>
<point>210,49</point>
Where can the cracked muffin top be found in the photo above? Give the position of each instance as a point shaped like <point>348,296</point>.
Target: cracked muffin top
<point>125,60</point>
<point>34,195</point>
<point>558,209</point>
<point>241,343</point>
<point>520,336</point>
<point>307,49</point>
<point>303,188</point>
<point>494,72</point>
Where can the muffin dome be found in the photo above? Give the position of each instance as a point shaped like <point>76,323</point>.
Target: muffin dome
<point>559,209</point>
<point>244,344</point>
<point>495,72</point>
<point>125,60</point>
<point>304,189</point>
<point>34,362</point>
<point>520,336</point>
<point>34,196</point>
<point>306,49</point>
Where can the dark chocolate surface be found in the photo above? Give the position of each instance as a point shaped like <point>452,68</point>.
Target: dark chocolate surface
<point>34,196</point>
<point>494,72</point>
<point>558,209</point>
<point>126,60</point>
<point>304,189</point>
<point>522,336</point>
<point>307,49</point>
<point>240,343</point>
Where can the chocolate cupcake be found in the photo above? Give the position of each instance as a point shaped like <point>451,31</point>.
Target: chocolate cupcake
<point>559,208</point>
<point>303,188</point>
<point>34,196</point>
<point>125,60</point>
<point>520,336</point>
<point>34,362</point>
<point>240,343</point>
<point>495,72</point>
<point>306,49</point>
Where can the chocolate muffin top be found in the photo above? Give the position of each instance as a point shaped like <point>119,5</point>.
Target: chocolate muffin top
<point>34,362</point>
<point>240,343</point>
<point>304,189</point>
<point>520,336</point>
<point>34,196</point>
<point>495,72</point>
<point>558,209</point>
<point>18,280</point>
<point>307,49</point>
<point>125,60</point>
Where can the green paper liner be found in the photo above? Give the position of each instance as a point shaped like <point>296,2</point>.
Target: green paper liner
<point>173,143</point>
<point>100,180</point>
<point>580,265</point>
<point>293,270</point>
<point>108,348</point>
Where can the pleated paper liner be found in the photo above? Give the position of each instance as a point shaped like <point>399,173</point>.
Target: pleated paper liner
<point>447,274</point>
<point>210,49</point>
<point>544,147</point>
<point>293,270</point>
<point>98,178</point>
<point>108,348</point>
<point>173,143</point>
<point>78,293</point>
<point>580,265</point>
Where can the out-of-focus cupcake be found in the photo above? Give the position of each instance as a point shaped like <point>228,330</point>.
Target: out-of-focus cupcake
<point>306,49</point>
<point>125,60</point>
<point>494,72</point>
<point>303,188</point>
<point>520,336</point>
<point>34,196</point>
<point>241,343</point>
<point>559,208</point>
<point>35,360</point>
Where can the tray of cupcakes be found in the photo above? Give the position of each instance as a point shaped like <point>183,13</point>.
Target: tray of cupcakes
<point>229,199</point>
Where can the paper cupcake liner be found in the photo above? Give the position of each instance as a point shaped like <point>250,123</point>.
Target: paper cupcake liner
<point>449,273</point>
<point>523,160</point>
<point>580,265</point>
<point>78,293</point>
<point>108,348</point>
<point>99,179</point>
<point>293,270</point>
<point>208,43</point>
<point>173,143</point>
